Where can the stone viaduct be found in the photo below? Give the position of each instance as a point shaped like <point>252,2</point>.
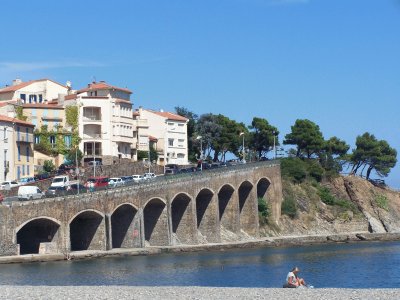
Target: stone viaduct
<point>198,208</point>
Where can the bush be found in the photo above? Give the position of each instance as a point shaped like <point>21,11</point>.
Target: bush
<point>289,207</point>
<point>315,170</point>
<point>329,199</point>
<point>48,166</point>
<point>382,201</point>
<point>294,169</point>
<point>263,210</point>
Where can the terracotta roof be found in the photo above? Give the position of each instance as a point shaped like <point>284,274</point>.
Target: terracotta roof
<point>42,105</point>
<point>13,120</point>
<point>169,116</point>
<point>14,88</point>
<point>102,86</point>
<point>123,101</point>
<point>152,139</point>
<point>70,97</point>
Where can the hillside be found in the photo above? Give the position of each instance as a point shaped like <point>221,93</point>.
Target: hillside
<point>343,204</point>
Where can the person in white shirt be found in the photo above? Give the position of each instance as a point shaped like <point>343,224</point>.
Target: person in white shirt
<point>292,280</point>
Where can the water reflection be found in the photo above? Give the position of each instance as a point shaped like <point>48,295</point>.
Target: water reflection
<point>362,265</point>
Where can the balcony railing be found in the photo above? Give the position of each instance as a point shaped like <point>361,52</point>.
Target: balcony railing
<point>92,136</point>
<point>23,137</point>
<point>92,118</point>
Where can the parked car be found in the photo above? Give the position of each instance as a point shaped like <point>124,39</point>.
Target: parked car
<point>42,176</point>
<point>26,180</point>
<point>137,178</point>
<point>99,182</point>
<point>29,192</point>
<point>73,188</point>
<point>62,180</point>
<point>56,191</point>
<point>6,185</point>
<point>96,163</point>
<point>115,182</point>
<point>149,176</point>
<point>127,180</point>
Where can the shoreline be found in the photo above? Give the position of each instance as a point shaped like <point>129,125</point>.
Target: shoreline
<point>280,241</point>
<point>195,292</point>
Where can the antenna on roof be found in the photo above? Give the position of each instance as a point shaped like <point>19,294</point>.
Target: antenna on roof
<point>94,79</point>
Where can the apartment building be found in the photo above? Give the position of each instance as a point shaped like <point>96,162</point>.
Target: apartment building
<point>33,91</point>
<point>16,154</point>
<point>168,133</point>
<point>105,122</point>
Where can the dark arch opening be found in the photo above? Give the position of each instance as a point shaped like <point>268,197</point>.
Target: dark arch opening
<point>224,196</point>
<point>203,201</point>
<point>35,232</point>
<point>179,207</point>
<point>244,191</point>
<point>155,223</point>
<point>262,187</point>
<point>83,229</point>
<point>121,221</point>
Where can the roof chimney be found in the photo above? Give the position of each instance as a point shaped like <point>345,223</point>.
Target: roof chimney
<point>16,81</point>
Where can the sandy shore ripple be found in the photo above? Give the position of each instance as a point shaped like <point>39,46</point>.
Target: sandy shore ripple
<point>129,292</point>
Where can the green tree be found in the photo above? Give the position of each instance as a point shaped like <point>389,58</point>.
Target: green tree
<point>262,136</point>
<point>72,154</point>
<point>307,136</point>
<point>373,154</point>
<point>208,128</point>
<point>48,166</point>
<point>334,154</point>
<point>191,126</point>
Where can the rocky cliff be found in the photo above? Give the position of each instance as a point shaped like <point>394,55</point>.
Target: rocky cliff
<point>355,205</point>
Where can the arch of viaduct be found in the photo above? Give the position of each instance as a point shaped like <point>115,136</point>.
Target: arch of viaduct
<point>207,207</point>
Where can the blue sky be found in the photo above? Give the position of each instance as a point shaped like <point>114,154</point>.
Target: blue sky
<point>335,62</point>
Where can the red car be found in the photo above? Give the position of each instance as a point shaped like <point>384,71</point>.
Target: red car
<point>1,198</point>
<point>97,181</point>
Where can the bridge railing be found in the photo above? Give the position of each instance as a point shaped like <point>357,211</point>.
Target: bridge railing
<point>166,179</point>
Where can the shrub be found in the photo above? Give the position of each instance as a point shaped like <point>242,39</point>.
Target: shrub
<point>315,170</point>
<point>289,207</point>
<point>263,210</point>
<point>326,196</point>
<point>48,166</point>
<point>382,201</point>
<point>294,169</point>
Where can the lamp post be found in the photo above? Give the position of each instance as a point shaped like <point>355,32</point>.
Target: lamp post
<point>274,133</point>
<point>244,159</point>
<point>201,151</point>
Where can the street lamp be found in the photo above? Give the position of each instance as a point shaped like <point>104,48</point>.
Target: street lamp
<point>274,133</point>
<point>201,151</point>
<point>244,159</point>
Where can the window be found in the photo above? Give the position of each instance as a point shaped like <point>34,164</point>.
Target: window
<point>181,155</point>
<point>52,139</point>
<point>19,153</point>
<point>67,141</point>
<point>171,124</point>
<point>23,170</point>
<point>171,142</point>
<point>23,98</point>
<point>40,98</point>
<point>27,154</point>
<point>27,170</point>
<point>18,172</point>
<point>32,98</point>
<point>5,133</point>
<point>37,139</point>
<point>18,133</point>
<point>181,125</point>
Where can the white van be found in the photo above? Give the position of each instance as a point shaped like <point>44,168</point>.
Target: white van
<point>29,192</point>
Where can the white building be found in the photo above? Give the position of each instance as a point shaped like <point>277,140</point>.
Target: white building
<point>105,122</point>
<point>33,91</point>
<point>168,131</point>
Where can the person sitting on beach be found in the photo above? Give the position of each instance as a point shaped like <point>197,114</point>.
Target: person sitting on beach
<point>293,281</point>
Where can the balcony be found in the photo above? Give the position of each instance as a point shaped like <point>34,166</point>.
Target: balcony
<point>91,114</point>
<point>95,136</point>
<point>24,138</point>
